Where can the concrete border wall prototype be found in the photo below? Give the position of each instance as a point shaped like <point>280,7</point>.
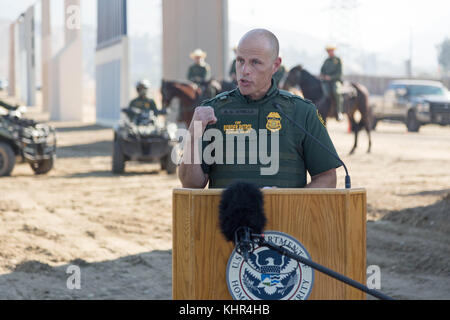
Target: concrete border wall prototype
<point>66,98</point>
<point>188,25</point>
<point>111,61</point>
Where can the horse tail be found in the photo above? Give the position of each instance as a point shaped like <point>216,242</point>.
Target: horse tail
<point>362,103</point>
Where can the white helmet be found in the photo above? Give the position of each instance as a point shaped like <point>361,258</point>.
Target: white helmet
<point>143,83</point>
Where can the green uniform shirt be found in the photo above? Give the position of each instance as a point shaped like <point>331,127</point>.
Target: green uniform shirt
<point>298,153</point>
<point>332,67</point>
<point>144,103</point>
<point>199,73</point>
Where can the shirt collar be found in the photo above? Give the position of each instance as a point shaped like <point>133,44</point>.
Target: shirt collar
<point>273,90</point>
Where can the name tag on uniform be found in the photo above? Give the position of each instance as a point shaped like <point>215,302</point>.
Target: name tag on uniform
<point>239,120</point>
<point>237,128</point>
<point>239,112</point>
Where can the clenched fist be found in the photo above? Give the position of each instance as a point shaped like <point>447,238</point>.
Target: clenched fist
<point>202,117</point>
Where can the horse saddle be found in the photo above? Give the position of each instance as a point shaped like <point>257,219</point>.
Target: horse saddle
<point>348,90</point>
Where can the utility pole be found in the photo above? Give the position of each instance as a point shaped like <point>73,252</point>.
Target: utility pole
<point>344,27</point>
<point>409,68</point>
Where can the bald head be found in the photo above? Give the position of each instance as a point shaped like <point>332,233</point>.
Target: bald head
<point>263,38</point>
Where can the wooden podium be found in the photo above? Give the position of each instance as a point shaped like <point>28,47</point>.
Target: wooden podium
<point>330,223</point>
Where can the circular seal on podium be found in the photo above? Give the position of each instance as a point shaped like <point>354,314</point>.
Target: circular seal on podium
<point>268,275</point>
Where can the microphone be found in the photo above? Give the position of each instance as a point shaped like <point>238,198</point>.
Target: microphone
<point>242,220</point>
<point>348,183</point>
<point>241,213</point>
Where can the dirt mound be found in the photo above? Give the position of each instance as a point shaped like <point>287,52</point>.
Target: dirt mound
<point>435,217</point>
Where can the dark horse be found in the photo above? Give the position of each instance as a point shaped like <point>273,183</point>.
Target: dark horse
<point>356,98</point>
<point>190,95</point>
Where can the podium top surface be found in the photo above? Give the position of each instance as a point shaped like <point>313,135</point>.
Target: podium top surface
<point>274,191</point>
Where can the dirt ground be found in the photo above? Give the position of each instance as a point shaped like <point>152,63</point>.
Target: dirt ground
<point>117,229</point>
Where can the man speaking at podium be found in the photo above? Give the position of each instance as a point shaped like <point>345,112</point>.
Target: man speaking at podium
<point>250,110</point>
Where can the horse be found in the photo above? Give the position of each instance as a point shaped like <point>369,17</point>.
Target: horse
<point>356,98</point>
<point>190,96</point>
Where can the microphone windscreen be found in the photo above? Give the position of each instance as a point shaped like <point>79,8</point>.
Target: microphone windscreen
<point>241,205</point>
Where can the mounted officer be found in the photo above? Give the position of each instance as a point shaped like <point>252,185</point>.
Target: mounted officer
<point>200,73</point>
<point>331,76</point>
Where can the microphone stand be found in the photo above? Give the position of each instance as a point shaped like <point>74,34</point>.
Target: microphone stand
<point>261,241</point>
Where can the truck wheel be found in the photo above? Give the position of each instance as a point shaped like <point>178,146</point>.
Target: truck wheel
<point>411,122</point>
<point>167,163</point>
<point>7,159</point>
<point>43,166</point>
<point>118,159</point>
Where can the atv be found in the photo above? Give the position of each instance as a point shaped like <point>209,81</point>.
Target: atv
<point>31,142</point>
<point>140,137</point>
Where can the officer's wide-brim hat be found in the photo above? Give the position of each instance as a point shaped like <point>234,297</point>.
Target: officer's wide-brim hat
<point>198,53</point>
<point>330,47</point>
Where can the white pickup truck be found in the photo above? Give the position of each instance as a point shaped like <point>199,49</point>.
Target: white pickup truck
<point>414,102</point>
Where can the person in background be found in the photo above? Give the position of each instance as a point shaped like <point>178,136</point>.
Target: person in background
<point>142,102</point>
<point>331,76</point>
<point>200,71</point>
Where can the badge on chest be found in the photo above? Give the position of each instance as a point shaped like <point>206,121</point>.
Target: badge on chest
<point>273,122</point>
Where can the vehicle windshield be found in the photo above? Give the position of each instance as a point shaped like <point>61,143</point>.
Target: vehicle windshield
<point>426,90</point>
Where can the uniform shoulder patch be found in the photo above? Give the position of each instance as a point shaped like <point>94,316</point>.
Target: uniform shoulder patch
<point>320,118</point>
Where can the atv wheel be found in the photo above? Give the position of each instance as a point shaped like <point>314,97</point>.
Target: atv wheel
<point>43,166</point>
<point>7,159</point>
<point>118,160</point>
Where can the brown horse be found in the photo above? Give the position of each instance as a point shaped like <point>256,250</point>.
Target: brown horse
<point>190,96</point>
<point>356,98</point>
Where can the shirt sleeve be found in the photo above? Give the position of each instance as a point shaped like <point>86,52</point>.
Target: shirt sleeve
<point>207,72</point>
<point>153,107</point>
<point>190,74</point>
<point>317,159</point>
<point>322,69</point>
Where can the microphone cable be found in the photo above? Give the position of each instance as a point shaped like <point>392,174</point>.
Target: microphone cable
<point>348,184</point>
<point>261,241</point>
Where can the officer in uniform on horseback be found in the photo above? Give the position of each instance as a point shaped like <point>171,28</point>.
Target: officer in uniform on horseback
<point>142,102</point>
<point>256,106</point>
<point>331,76</point>
<point>200,71</point>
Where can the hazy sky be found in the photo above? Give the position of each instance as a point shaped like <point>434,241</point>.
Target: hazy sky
<point>376,26</point>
